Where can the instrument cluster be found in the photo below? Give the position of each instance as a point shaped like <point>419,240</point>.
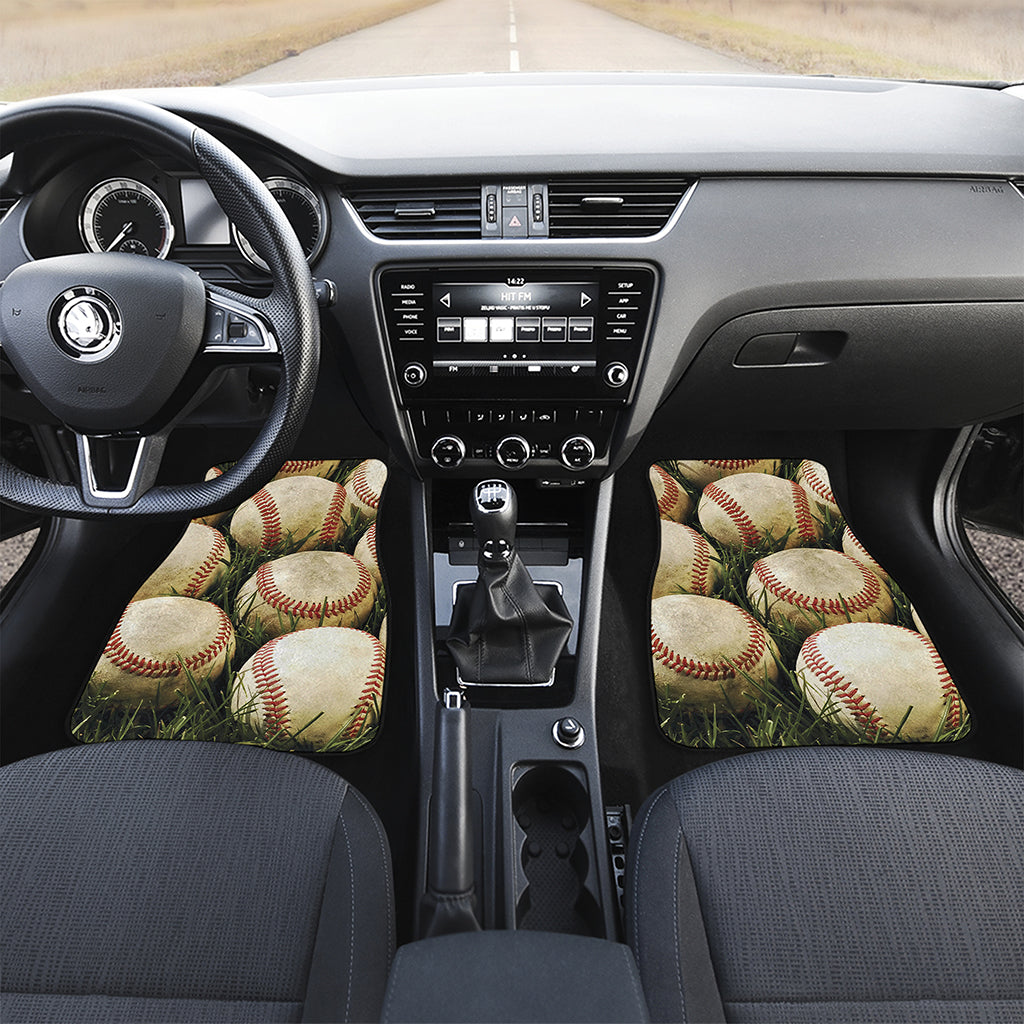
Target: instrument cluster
<point>118,201</point>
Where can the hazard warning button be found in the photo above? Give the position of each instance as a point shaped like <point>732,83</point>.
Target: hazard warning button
<point>515,222</point>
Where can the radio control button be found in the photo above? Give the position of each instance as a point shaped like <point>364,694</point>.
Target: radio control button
<point>554,328</point>
<point>581,328</point>
<point>414,374</point>
<point>449,328</point>
<point>512,452</point>
<point>577,452</point>
<point>448,452</point>
<point>616,374</point>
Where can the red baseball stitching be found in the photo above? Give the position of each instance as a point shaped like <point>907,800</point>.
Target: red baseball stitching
<point>749,533</point>
<point>270,520</point>
<point>371,541</point>
<point>802,513</point>
<point>297,465</point>
<point>816,482</point>
<point>863,599</point>
<point>212,560</point>
<point>267,588</point>
<point>863,711</point>
<point>701,564</point>
<point>363,490</point>
<point>669,492</point>
<point>950,694</point>
<point>728,463</point>
<point>332,520</point>
<point>373,689</point>
<point>270,690</point>
<point>128,661</point>
<point>716,671</point>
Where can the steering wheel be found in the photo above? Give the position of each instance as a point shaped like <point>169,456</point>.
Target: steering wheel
<point>116,345</point>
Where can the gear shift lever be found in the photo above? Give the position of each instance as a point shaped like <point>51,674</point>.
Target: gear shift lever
<point>493,511</point>
<point>504,629</point>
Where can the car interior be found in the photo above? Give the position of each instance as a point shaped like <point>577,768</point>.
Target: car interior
<point>528,327</point>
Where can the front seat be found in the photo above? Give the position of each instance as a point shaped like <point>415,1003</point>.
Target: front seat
<point>186,881</point>
<point>832,885</point>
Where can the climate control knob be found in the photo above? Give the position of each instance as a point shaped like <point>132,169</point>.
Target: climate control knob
<point>448,452</point>
<point>512,452</point>
<point>578,452</point>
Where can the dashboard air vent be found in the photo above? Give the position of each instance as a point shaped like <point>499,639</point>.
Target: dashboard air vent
<point>612,207</point>
<point>420,211</point>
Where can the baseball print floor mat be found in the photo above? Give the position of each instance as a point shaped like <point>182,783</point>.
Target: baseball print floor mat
<point>266,624</point>
<point>771,624</point>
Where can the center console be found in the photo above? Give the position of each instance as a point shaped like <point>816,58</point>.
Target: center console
<point>517,364</point>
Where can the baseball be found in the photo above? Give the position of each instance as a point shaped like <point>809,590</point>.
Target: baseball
<point>366,552</point>
<point>214,518</point>
<point>365,485</point>
<point>749,509</point>
<point>157,645</point>
<point>197,562</point>
<point>308,467</point>
<point>302,510</point>
<point>701,472</point>
<point>813,478</point>
<point>854,548</point>
<point>384,631</point>
<point>317,686</point>
<point>709,653</point>
<point>306,590</point>
<point>868,675</point>
<point>687,564</point>
<point>811,588</point>
<point>673,502</point>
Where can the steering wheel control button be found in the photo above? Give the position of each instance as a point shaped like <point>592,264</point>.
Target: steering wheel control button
<point>86,324</point>
<point>232,328</point>
<point>616,374</point>
<point>414,374</point>
<point>568,733</point>
<point>512,452</point>
<point>448,452</point>
<point>577,452</point>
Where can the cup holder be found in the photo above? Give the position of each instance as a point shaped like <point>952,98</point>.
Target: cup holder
<point>554,879</point>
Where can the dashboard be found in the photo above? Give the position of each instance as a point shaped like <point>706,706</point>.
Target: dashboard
<point>527,291</point>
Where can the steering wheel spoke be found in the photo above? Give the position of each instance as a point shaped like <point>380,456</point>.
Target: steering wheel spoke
<point>236,329</point>
<point>116,470</point>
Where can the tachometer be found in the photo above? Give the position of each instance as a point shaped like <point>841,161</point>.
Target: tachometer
<point>305,212</point>
<point>123,215</point>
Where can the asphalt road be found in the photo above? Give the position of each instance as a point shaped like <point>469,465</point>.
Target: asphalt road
<point>464,36</point>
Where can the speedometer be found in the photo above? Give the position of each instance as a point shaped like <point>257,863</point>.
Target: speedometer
<point>305,212</point>
<point>123,215</point>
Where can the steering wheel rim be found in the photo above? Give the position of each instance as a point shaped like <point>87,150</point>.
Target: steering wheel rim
<point>290,308</point>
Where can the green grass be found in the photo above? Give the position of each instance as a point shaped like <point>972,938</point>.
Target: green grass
<point>779,715</point>
<point>204,711</point>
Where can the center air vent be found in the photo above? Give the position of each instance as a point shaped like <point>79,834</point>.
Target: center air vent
<point>442,211</point>
<point>612,207</point>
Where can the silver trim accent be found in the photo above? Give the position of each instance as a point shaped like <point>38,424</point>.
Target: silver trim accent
<point>269,340</point>
<point>89,323</point>
<point>590,445</point>
<point>448,437</point>
<point>315,200</point>
<point>87,215</point>
<point>512,437</point>
<point>581,738</point>
<point>85,458</point>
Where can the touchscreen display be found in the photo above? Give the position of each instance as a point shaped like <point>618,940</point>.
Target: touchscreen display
<point>504,312</point>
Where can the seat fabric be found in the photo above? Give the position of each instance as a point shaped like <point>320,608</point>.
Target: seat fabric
<point>181,881</point>
<point>849,884</point>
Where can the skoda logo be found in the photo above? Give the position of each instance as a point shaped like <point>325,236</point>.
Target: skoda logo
<point>85,323</point>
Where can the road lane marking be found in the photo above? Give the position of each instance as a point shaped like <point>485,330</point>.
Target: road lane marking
<point>513,60</point>
<point>511,33</point>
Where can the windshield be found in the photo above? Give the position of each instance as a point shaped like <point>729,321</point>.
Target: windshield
<point>53,46</point>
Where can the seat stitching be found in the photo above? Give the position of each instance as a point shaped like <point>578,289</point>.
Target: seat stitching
<point>675,921</point>
<point>352,913</point>
<point>636,903</point>
<point>382,845</point>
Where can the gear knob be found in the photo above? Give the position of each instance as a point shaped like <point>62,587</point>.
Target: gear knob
<point>493,509</point>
